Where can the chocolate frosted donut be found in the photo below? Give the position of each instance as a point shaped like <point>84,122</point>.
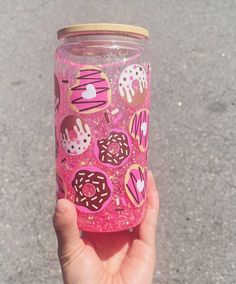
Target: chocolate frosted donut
<point>92,189</point>
<point>113,150</point>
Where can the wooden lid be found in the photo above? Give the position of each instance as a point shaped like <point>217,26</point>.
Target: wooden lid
<point>103,28</point>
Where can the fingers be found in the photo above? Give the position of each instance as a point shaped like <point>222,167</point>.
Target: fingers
<point>65,224</point>
<point>147,229</point>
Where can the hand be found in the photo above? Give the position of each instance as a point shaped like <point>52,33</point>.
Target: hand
<point>107,258</point>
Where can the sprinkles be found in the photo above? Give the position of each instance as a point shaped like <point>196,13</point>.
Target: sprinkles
<point>88,194</point>
<point>119,141</point>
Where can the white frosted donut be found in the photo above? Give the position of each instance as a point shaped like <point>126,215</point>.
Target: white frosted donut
<point>133,84</point>
<point>75,135</point>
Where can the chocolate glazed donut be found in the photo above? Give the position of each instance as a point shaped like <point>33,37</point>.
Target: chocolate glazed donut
<point>92,189</point>
<point>114,149</point>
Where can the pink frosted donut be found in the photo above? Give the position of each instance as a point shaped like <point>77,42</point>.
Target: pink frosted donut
<point>75,135</point>
<point>135,184</point>
<point>93,189</point>
<point>133,84</point>
<point>113,150</point>
<point>139,128</point>
<point>91,91</point>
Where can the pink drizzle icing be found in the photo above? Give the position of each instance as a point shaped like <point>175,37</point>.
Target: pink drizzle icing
<point>91,92</point>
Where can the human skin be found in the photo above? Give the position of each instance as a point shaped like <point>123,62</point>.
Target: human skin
<point>107,258</point>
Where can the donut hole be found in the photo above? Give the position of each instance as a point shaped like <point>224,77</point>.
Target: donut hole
<point>89,190</point>
<point>113,148</point>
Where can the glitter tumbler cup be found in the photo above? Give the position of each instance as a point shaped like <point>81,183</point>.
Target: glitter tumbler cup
<point>102,98</point>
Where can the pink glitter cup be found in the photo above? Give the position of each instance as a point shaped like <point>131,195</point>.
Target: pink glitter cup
<point>102,98</point>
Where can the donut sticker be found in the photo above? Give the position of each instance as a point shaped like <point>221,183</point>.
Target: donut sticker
<point>113,150</point>
<point>61,188</point>
<point>135,184</point>
<point>139,128</point>
<point>91,91</point>
<point>56,93</point>
<point>133,84</point>
<point>93,189</point>
<point>75,135</point>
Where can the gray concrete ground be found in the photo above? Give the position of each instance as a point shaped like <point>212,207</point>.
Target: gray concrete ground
<point>193,138</point>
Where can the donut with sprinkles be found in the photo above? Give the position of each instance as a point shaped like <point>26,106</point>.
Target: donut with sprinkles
<point>113,150</point>
<point>133,85</point>
<point>93,189</point>
<point>75,135</point>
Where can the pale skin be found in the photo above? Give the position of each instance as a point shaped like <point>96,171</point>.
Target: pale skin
<point>107,258</point>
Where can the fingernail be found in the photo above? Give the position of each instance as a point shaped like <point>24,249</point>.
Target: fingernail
<point>61,206</point>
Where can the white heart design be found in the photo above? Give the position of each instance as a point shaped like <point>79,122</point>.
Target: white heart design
<point>90,92</point>
<point>144,128</point>
<point>140,185</point>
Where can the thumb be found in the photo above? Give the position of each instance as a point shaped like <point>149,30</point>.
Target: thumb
<point>65,224</point>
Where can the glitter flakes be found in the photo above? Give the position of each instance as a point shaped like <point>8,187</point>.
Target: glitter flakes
<point>118,213</point>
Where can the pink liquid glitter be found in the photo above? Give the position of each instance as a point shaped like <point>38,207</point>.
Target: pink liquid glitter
<point>101,133</point>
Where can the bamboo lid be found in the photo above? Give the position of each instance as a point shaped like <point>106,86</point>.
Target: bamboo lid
<point>103,28</point>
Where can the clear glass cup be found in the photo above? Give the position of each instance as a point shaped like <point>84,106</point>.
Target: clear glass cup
<point>102,99</point>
